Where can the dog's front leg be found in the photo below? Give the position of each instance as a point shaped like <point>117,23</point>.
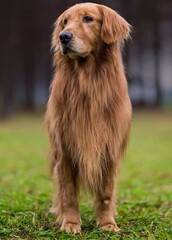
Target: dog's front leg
<point>66,199</point>
<point>105,202</point>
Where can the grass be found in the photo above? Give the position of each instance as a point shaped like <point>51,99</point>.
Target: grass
<point>144,185</point>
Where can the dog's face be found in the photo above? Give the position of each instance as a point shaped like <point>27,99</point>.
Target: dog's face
<point>82,28</point>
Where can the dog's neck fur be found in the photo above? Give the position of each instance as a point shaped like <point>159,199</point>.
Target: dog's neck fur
<point>89,76</point>
<point>106,59</point>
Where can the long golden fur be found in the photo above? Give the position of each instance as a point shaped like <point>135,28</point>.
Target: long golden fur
<point>89,111</point>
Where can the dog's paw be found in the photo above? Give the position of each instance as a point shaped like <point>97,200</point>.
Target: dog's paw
<point>71,228</point>
<point>110,227</point>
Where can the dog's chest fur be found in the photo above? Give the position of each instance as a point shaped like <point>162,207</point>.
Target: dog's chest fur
<point>88,117</point>
<point>83,112</point>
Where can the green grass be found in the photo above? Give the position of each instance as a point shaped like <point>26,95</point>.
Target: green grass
<point>144,185</point>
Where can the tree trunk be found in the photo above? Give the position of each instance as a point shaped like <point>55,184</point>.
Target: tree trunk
<point>6,59</point>
<point>28,51</point>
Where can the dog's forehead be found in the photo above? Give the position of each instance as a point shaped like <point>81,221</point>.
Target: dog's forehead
<point>83,9</point>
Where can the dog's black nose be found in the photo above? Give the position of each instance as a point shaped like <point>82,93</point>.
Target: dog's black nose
<point>65,37</point>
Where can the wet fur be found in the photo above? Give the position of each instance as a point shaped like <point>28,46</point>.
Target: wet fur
<point>88,119</point>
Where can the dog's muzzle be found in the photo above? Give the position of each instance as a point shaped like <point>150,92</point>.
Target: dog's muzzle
<point>67,45</point>
<point>65,37</point>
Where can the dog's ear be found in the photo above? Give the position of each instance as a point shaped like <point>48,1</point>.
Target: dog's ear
<point>114,27</point>
<point>58,27</point>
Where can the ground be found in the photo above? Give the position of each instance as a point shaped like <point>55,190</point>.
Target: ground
<point>144,185</point>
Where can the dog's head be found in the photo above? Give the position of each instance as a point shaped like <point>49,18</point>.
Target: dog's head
<point>82,28</point>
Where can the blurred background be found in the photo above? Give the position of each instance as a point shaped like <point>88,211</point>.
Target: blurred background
<point>25,56</point>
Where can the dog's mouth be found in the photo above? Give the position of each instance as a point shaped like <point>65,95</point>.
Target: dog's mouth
<point>71,52</point>
<point>68,49</point>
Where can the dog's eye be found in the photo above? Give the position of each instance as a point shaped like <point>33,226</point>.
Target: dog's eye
<point>65,21</point>
<point>87,19</point>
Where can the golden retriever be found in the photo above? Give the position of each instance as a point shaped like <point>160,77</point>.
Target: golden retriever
<point>89,112</point>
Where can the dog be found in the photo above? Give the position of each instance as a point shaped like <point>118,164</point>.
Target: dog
<point>88,112</point>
